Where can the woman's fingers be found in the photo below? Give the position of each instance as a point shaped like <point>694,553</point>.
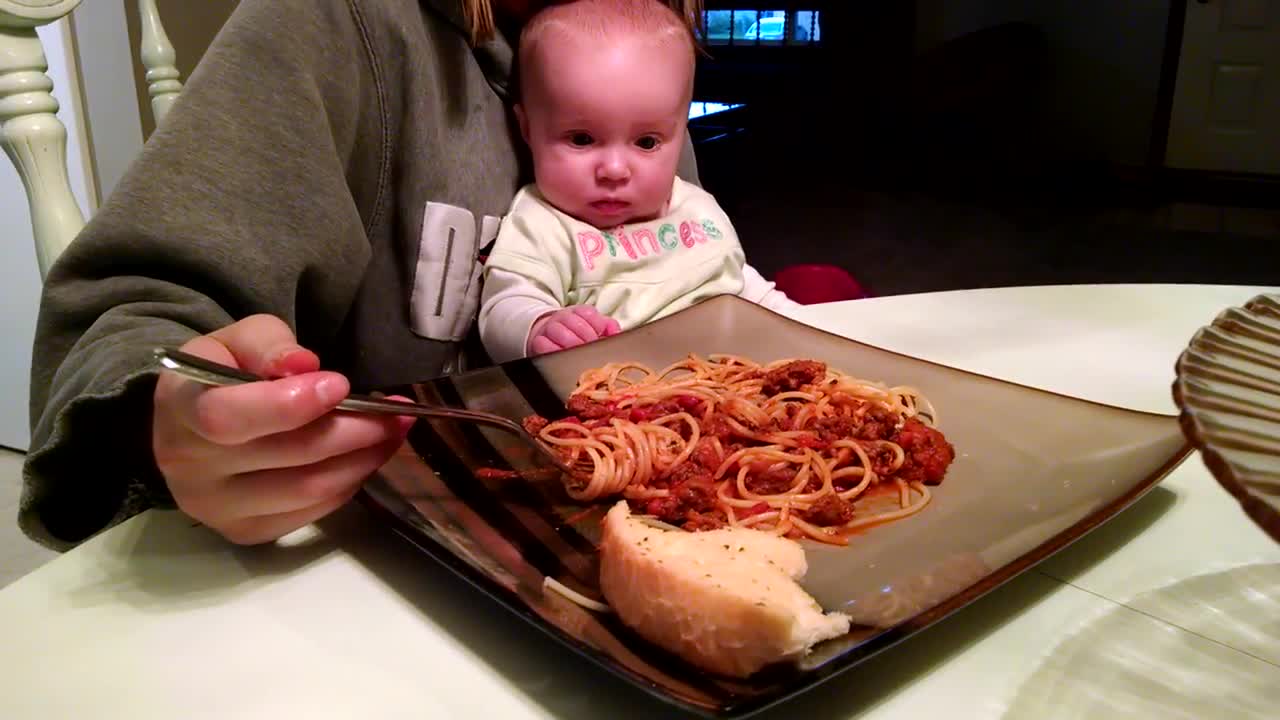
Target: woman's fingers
<point>258,460</point>
<point>261,344</point>
<point>239,413</point>
<point>264,529</point>
<point>331,435</point>
<point>287,490</point>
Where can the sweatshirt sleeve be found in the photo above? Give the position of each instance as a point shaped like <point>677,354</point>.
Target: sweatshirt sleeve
<point>762,292</point>
<point>526,275</point>
<point>512,305</point>
<point>238,204</point>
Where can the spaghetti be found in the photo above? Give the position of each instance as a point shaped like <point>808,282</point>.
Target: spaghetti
<point>791,447</point>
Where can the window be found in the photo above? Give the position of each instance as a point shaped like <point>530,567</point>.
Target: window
<point>712,121</point>
<point>703,109</point>
<point>762,27</point>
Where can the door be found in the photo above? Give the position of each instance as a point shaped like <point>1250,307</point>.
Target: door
<point>1226,105</point>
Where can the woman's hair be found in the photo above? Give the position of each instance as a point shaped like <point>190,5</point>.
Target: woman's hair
<point>481,26</point>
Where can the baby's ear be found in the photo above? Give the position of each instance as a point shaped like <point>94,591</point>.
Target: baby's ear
<point>523,120</point>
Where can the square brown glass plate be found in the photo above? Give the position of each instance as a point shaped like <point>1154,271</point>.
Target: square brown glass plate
<point>1034,471</point>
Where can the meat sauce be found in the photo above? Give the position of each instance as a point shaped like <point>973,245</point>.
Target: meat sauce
<point>691,500</point>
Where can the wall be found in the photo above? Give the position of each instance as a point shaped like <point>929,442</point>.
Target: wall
<point>940,20</point>
<point>191,27</point>
<point>1105,58</point>
<point>113,125</point>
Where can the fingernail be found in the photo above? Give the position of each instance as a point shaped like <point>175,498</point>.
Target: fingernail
<point>331,390</point>
<point>284,350</point>
<point>277,363</point>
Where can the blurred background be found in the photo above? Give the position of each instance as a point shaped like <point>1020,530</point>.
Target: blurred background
<point>934,145</point>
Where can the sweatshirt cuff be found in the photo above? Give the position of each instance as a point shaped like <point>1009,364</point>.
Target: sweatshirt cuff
<point>109,474</point>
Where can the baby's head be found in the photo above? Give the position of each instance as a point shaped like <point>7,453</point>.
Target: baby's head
<point>605,87</point>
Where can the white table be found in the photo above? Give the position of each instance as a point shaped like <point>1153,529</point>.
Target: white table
<point>1171,610</point>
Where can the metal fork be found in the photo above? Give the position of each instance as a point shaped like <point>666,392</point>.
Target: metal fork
<point>217,374</point>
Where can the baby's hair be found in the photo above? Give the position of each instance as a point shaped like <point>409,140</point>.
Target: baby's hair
<point>481,25</point>
<point>653,20</point>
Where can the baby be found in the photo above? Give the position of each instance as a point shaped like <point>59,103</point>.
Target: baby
<point>607,238</point>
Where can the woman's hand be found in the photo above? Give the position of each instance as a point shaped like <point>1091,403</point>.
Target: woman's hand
<point>257,461</point>
<point>574,325</point>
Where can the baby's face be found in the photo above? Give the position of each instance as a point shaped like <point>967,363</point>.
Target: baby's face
<point>605,122</point>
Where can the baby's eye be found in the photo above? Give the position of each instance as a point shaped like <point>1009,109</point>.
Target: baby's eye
<point>581,139</point>
<point>648,142</point>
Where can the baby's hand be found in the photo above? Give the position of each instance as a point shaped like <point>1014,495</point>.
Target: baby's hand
<point>574,325</point>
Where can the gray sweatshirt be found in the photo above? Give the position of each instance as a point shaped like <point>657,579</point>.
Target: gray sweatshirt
<point>337,163</point>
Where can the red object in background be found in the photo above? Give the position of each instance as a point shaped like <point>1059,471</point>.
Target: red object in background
<point>811,284</point>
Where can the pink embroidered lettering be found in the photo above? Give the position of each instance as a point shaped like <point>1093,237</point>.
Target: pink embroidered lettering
<point>626,244</point>
<point>644,241</point>
<point>591,245</point>
<point>643,235</point>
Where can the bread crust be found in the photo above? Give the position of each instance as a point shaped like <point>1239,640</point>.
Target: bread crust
<point>726,600</point>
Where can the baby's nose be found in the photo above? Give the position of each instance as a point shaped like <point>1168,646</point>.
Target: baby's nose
<point>613,168</point>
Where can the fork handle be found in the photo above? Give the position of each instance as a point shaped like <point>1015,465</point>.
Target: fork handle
<point>216,374</point>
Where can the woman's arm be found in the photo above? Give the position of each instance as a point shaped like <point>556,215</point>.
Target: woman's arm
<point>239,204</point>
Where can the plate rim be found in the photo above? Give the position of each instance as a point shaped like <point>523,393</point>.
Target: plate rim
<point>904,355</point>
<point>806,680</point>
<point>1222,469</point>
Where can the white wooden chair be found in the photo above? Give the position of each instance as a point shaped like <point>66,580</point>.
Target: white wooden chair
<point>33,136</point>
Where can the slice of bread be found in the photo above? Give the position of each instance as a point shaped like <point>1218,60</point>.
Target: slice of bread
<point>726,600</point>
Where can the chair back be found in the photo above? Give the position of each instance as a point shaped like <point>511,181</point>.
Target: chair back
<point>32,135</point>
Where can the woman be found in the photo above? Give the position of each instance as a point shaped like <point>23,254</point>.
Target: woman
<point>317,197</point>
